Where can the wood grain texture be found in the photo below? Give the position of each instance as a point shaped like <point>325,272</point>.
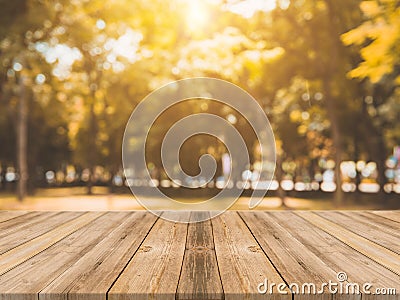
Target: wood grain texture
<point>337,255</point>
<point>391,215</point>
<point>18,235</point>
<point>136,255</point>
<point>295,262</point>
<point>383,224</point>
<point>18,255</point>
<point>199,276</point>
<point>376,252</point>
<point>35,274</point>
<point>154,271</point>
<point>242,263</point>
<point>98,268</point>
<point>8,215</point>
<point>368,227</point>
<point>22,222</point>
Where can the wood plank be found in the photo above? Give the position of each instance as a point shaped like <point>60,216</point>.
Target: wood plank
<point>154,270</point>
<point>20,223</point>
<point>367,228</point>
<point>387,225</point>
<point>29,278</point>
<point>378,253</point>
<point>11,214</point>
<point>216,259</point>
<point>13,238</point>
<point>199,276</point>
<point>336,254</point>
<point>242,263</point>
<point>18,255</point>
<point>392,215</point>
<point>293,260</point>
<point>94,273</point>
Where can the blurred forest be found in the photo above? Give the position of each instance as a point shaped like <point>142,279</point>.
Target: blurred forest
<point>327,73</point>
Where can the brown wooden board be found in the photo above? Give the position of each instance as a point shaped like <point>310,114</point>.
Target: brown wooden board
<point>136,255</point>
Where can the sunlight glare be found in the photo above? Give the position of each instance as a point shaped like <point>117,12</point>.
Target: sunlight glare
<point>196,16</point>
<point>247,8</point>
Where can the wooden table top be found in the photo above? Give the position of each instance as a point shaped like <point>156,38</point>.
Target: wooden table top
<point>135,255</point>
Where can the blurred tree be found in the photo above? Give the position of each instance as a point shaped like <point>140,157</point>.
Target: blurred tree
<point>312,69</point>
<point>20,32</point>
<point>378,41</point>
<point>77,69</point>
<point>119,46</point>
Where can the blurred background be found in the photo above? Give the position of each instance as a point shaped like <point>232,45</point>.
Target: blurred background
<point>326,72</point>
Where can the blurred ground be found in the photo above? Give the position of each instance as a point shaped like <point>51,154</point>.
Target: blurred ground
<point>75,199</point>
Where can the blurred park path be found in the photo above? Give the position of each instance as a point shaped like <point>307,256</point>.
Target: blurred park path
<point>76,200</point>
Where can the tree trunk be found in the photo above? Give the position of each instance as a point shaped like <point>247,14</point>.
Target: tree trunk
<point>337,142</point>
<point>22,139</point>
<point>93,126</point>
<point>328,79</point>
<point>281,193</point>
<point>92,143</point>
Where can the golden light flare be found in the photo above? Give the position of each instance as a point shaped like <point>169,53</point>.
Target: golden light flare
<point>197,15</point>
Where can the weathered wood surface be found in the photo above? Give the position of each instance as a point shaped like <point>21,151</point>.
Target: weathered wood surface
<point>136,255</point>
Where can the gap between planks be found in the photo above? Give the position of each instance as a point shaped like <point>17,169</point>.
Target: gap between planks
<point>23,252</point>
<point>376,252</point>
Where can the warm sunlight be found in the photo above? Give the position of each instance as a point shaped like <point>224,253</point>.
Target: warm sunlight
<point>202,149</point>
<point>197,15</point>
<point>247,8</point>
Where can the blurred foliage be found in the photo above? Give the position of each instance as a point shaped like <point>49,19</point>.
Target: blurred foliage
<point>88,63</point>
<point>379,36</point>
